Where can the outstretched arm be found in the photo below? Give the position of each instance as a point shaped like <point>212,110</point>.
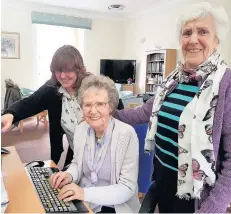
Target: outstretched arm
<point>138,115</point>
<point>31,105</point>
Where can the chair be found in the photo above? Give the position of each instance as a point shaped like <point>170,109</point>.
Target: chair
<point>40,116</point>
<point>229,209</point>
<point>118,88</point>
<point>145,161</point>
<point>25,92</point>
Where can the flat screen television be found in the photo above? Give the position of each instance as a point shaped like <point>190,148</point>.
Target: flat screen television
<point>118,70</point>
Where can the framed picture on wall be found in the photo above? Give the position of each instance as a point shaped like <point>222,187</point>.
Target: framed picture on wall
<point>10,45</point>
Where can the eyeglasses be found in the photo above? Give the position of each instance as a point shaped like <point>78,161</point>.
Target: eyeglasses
<point>200,32</point>
<point>66,72</point>
<point>100,106</point>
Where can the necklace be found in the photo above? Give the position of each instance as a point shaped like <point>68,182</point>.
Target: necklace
<point>98,140</point>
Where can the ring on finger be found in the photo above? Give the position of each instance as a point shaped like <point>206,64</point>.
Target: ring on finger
<point>72,191</point>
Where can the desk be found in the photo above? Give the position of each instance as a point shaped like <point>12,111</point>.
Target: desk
<point>21,193</point>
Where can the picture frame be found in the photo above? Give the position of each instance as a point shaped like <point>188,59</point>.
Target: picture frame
<point>10,45</point>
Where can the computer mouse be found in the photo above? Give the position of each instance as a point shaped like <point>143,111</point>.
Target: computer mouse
<point>4,151</point>
<point>54,169</point>
<point>35,163</point>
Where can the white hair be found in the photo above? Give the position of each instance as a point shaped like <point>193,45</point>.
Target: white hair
<point>202,10</point>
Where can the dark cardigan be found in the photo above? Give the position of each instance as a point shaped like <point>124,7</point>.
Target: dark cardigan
<point>45,98</point>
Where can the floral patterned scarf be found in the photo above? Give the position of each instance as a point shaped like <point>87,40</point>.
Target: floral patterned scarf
<point>196,161</point>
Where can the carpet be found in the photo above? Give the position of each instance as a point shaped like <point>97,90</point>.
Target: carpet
<point>33,143</point>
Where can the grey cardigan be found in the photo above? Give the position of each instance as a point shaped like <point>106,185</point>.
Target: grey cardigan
<point>123,191</point>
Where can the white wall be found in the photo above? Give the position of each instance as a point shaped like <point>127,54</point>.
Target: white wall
<point>226,45</point>
<point>157,28</point>
<point>105,40</point>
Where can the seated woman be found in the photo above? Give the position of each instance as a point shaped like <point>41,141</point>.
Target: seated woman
<point>104,169</point>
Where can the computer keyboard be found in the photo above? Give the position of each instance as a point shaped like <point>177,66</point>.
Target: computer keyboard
<point>48,195</point>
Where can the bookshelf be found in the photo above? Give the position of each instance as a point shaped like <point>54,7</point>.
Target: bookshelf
<point>159,64</point>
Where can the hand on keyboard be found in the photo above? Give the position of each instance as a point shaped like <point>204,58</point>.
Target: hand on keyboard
<point>71,192</point>
<point>60,179</point>
<point>48,195</point>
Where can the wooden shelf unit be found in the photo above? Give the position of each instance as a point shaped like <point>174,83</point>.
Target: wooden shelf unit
<point>159,64</point>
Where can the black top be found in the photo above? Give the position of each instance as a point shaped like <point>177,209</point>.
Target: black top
<point>168,122</point>
<point>45,98</point>
<point>48,98</point>
<point>166,153</point>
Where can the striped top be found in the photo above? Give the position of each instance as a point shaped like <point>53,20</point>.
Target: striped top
<point>168,121</point>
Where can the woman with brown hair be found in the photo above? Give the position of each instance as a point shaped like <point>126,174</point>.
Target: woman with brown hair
<point>59,96</point>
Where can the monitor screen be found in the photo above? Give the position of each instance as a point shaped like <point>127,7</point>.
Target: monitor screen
<point>118,70</point>
<point>4,195</point>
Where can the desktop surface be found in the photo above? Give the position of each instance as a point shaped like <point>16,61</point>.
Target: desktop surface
<point>22,195</point>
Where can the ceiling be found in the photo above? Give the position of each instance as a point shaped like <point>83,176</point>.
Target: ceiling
<point>101,6</point>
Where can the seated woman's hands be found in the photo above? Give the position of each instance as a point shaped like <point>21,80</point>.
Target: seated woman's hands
<point>60,179</point>
<point>71,192</point>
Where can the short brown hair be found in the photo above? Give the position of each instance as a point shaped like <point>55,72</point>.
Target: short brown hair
<point>68,57</point>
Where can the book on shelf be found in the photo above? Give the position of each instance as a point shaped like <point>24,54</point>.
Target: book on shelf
<point>159,64</point>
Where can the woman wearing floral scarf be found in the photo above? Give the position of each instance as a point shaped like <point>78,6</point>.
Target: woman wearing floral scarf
<point>190,121</point>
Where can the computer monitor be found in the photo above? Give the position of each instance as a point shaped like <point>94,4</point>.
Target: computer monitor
<point>4,195</point>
